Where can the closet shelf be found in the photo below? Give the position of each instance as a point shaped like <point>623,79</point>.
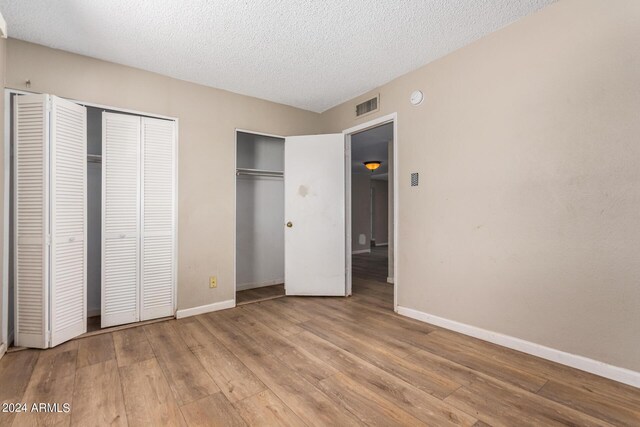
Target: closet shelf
<point>258,172</point>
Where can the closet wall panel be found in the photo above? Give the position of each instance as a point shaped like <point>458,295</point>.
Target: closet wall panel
<point>31,127</point>
<point>120,220</point>
<point>158,218</point>
<point>68,220</point>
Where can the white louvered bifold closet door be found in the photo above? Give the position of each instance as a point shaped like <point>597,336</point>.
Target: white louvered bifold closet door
<point>31,136</point>
<point>120,218</point>
<point>158,218</point>
<point>68,195</point>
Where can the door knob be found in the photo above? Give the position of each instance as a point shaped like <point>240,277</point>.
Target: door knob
<point>289,224</point>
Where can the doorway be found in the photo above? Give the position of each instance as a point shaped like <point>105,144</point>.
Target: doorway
<point>371,204</point>
<point>259,217</point>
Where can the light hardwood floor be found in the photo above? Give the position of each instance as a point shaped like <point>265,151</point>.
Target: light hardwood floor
<point>305,361</point>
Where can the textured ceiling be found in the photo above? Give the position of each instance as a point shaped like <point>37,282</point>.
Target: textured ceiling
<point>305,53</point>
<point>369,145</point>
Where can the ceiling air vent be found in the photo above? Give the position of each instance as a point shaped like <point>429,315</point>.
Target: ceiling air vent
<point>368,106</point>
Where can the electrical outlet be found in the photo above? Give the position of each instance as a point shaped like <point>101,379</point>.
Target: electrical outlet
<point>213,282</point>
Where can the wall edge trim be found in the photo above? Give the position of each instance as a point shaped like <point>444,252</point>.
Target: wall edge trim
<point>616,373</point>
<point>208,308</point>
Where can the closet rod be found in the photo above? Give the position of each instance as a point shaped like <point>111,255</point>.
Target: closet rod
<point>258,172</point>
<point>272,175</point>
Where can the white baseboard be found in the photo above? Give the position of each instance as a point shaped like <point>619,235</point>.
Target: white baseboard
<point>380,244</point>
<point>245,286</point>
<point>361,251</point>
<point>194,311</point>
<point>602,369</point>
<point>3,349</point>
<point>92,312</point>
<point>390,280</point>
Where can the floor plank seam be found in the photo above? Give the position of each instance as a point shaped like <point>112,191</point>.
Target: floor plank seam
<point>164,375</point>
<point>450,393</point>
<point>477,415</point>
<point>73,389</point>
<point>199,320</point>
<point>28,383</point>
<point>118,368</point>
<point>246,367</point>
<point>302,378</point>
<point>525,392</point>
<point>541,387</point>
<point>204,370</point>
<point>280,399</point>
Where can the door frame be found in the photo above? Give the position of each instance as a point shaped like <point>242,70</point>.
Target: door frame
<point>389,118</point>
<point>4,284</point>
<point>235,199</point>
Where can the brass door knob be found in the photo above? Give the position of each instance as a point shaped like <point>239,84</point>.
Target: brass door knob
<point>289,224</point>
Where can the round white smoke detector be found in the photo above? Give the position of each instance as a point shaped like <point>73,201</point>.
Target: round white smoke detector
<point>416,97</point>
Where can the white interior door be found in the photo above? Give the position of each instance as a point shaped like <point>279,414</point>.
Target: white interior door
<point>120,218</point>
<point>314,188</point>
<point>31,224</point>
<point>158,219</point>
<point>68,220</point>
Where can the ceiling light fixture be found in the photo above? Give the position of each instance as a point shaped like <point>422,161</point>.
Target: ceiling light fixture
<point>372,165</point>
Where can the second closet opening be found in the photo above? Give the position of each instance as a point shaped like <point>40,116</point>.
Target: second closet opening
<point>259,217</point>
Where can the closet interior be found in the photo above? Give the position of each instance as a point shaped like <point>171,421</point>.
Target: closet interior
<point>259,217</point>
<point>92,219</point>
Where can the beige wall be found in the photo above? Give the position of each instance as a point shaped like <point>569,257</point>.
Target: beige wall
<point>380,211</point>
<point>526,220</point>
<point>207,117</point>
<point>360,211</point>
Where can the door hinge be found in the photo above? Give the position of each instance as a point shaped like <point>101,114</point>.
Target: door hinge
<point>48,239</point>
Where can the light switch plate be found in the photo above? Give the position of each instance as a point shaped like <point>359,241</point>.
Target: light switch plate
<point>213,282</point>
